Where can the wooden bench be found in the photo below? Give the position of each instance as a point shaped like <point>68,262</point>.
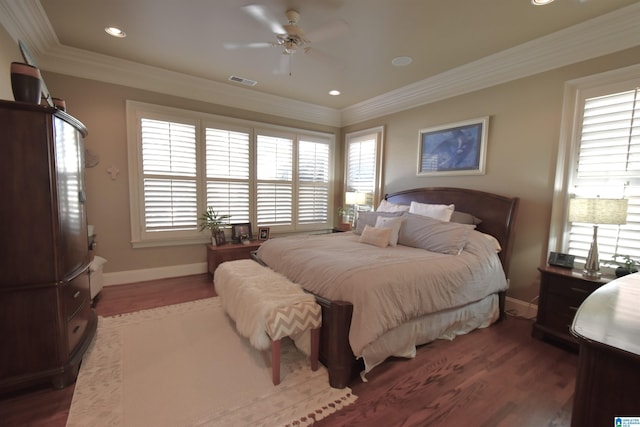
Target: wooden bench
<point>266,307</point>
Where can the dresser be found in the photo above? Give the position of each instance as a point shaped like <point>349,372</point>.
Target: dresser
<point>216,255</point>
<point>46,319</point>
<point>607,327</point>
<point>562,290</point>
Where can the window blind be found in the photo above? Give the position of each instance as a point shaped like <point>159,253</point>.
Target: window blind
<point>313,182</point>
<point>228,168</point>
<point>275,180</point>
<point>361,167</point>
<point>169,175</point>
<point>608,165</point>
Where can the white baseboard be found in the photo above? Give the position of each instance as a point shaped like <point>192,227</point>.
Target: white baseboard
<point>132,276</point>
<point>521,308</point>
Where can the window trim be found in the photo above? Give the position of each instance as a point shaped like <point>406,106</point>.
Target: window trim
<point>575,93</point>
<point>136,110</point>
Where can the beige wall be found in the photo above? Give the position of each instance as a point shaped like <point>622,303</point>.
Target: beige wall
<point>101,107</point>
<point>9,52</point>
<point>523,139</point>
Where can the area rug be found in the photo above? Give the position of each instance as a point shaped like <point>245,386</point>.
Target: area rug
<point>185,365</point>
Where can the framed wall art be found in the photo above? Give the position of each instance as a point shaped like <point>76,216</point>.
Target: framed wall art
<point>454,149</point>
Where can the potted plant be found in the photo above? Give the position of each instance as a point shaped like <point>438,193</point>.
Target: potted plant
<point>213,221</point>
<point>626,266</point>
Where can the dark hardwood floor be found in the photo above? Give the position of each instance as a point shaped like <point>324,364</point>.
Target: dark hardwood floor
<point>498,376</point>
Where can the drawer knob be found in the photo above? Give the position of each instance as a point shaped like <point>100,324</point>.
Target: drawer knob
<point>76,295</point>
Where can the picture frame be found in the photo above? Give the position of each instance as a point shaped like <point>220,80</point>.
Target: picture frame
<point>454,149</point>
<point>240,232</point>
<point>263,233</point>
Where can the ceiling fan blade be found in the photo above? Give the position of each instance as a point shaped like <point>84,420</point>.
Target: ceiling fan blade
<point>261,14</point>
<point>334,30</point>
<point>255,45</point>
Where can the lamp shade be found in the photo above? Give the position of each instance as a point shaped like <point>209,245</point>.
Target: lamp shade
<point>598,211</point>
<point>355,198</point>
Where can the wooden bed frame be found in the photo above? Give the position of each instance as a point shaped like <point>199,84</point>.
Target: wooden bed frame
<point>498,216</point>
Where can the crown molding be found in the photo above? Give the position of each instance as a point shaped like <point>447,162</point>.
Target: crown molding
<point>26,20</point>
<point>605,34</point>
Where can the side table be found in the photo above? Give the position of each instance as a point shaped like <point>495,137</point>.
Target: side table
<point>216,255</point>
<point>562,290</point>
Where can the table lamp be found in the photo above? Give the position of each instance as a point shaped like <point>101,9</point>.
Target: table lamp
<point>597,211</point>
<point>354,199</point>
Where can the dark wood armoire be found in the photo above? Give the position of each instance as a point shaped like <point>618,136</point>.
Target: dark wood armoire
<point>46,318</point>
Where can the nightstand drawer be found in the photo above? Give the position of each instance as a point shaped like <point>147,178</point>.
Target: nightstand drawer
<point>560,313</point>
<point>570,288</point>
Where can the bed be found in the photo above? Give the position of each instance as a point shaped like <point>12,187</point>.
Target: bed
<point>379,302</point>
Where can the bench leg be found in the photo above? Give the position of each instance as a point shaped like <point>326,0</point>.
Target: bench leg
<point>315,348</point>
<point>275,362</point>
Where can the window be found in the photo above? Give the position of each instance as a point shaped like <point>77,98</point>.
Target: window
<point>363,165</point>
<point>181,162</point>
<point>601,159</point>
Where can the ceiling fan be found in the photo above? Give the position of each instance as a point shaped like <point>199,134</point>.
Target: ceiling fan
<point>290,36</point>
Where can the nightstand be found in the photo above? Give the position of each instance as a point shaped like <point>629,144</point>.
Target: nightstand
<point>216,255</point>
<point>562,290</point>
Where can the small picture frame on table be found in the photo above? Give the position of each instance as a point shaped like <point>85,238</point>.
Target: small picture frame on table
<point>263,233</point>
<point>241,232</point>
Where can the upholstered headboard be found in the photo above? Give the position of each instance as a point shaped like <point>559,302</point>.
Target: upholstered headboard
<point>498,213</point>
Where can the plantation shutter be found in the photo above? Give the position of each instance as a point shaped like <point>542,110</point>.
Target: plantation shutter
<point>609,167</point>
<point>274,180</point>
<point>361,166</point>
<point>227,160</point>
<point>169,175</point>
<point>313,182</point>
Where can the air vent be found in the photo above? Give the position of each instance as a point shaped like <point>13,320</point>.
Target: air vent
<point>243,81</point>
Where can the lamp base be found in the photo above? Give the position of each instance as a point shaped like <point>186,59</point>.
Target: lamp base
<point>591,274</point>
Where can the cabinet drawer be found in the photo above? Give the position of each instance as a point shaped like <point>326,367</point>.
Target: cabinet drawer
<point>577,290</point>
<point>75,293</point>
<point>77,324</point>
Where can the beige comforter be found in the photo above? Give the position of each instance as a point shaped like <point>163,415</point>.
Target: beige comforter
<point>387,286</point>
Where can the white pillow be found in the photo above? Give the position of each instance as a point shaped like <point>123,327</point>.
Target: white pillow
<point>441,212</point>
<point>375,236</point>
<point>394,224</point>
<point>385,206</point>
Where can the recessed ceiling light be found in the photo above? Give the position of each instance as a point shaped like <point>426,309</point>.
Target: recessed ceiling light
<point>334,92</point>
<point>540,2</point>
<point>115,32</point>
<point>401,61</point>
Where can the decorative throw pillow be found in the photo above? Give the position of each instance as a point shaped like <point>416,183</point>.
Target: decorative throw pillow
<point>386,206</point>
<point>370,218</point>
<point>394,224</point>
<point>441,212</point>
<point>464,218</point>
<point>375,236</point>
<point>433,235</point>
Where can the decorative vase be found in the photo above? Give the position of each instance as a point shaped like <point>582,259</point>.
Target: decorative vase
<point>26,83</point>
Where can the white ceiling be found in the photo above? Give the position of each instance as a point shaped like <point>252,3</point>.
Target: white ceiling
<point>452,43</point>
